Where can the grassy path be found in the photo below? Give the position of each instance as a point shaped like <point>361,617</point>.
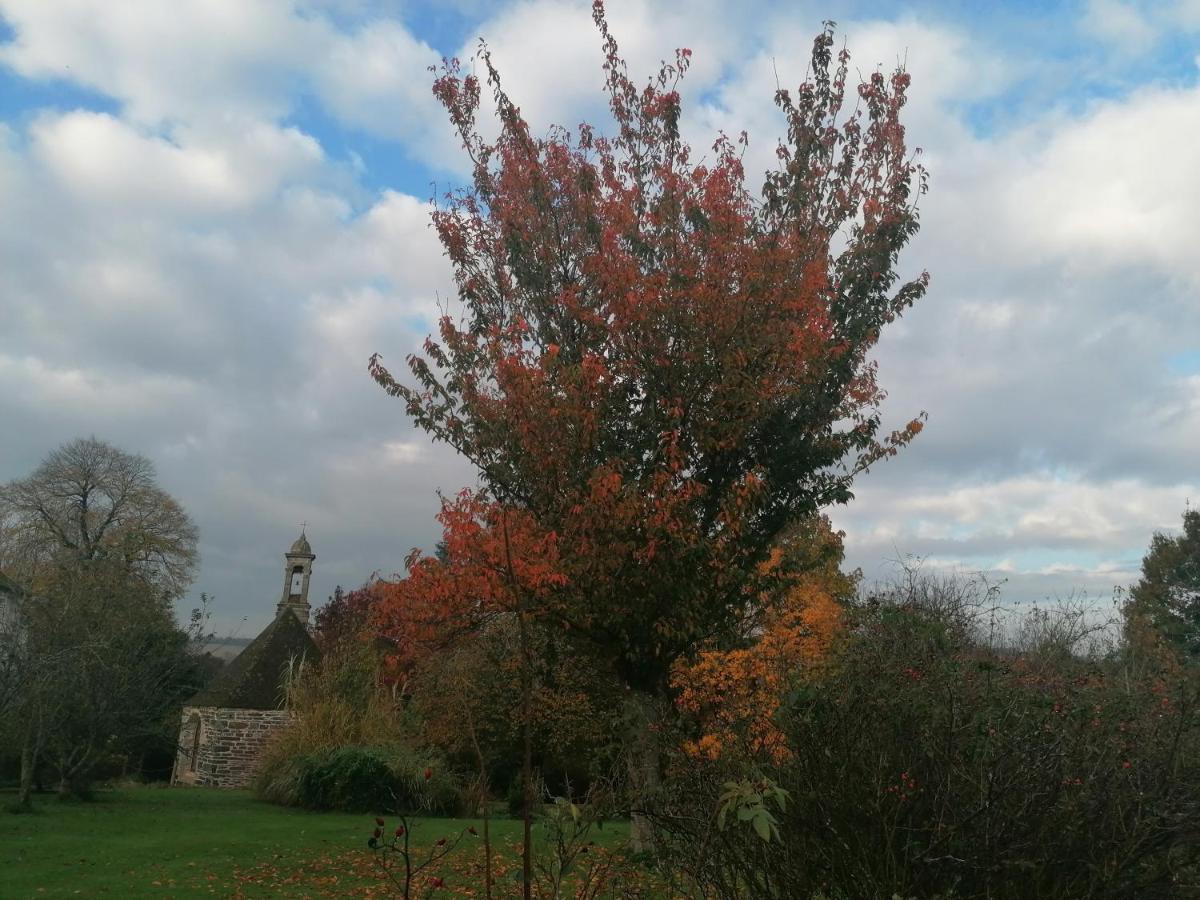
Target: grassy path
<point>196,842</point>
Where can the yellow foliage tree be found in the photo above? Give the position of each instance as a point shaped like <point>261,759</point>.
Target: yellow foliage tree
<point>734,694</point>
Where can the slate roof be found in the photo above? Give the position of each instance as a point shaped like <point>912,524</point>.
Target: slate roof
<point>253,679</point>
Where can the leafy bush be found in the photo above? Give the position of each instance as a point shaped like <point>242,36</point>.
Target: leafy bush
<point>361,779</point>
<point>350,779</point>
<point>467,702</point>
<point>347,749</point>
<point>936,758</point>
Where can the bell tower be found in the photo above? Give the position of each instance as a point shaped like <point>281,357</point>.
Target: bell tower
<point>297,571</point>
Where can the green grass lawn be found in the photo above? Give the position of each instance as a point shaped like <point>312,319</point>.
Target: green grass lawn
<point>192,842</point>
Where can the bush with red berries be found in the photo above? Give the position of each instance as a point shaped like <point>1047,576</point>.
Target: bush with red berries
<point>410,869</point>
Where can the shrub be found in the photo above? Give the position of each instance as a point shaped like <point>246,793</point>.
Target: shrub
<point>344,732</point>
<point>466,702</point>
<point>425,783</point>
<point>278,779</point>
<point>362,779</point>
<point>350,779</point>
<point>933,758</point>
<point>515,798</point>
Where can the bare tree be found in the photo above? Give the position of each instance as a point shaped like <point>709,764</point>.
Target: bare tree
<point>90,501</point>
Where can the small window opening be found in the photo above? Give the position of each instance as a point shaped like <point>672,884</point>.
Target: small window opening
<point>195,724</point>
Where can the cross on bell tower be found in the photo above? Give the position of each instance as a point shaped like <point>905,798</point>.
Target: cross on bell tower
<point>297,571</point>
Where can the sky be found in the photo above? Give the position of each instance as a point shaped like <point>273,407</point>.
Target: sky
<point>212,212</point>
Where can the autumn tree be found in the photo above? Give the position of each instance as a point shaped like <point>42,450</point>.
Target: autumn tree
<point>659,366</point>
<point>732,692</point>
<point>344,618</point>
<point>494,563</point>
<point>1165,603</point>
<point>468,699</point>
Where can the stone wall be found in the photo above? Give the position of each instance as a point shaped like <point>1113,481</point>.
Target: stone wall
<point>226,750</point>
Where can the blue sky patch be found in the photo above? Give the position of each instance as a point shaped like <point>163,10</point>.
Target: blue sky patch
<point>22,99</point>
<point>381,163</point>
<point>1187,363</point>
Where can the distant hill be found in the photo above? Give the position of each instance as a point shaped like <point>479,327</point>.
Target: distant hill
<point>227,648</point>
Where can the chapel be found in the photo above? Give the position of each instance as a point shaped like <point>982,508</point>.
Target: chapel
<point>226,726</point>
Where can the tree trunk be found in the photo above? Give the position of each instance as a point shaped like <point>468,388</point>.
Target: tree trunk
<point>28,765</point>
<point>526,722</point>
<point>645,774</point>
<point>74,782</point>
<point>485,796</point>
<point>526,766</point>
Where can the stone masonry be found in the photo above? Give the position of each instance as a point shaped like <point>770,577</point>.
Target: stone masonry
<point>230,743</point>
<point>226,725</point>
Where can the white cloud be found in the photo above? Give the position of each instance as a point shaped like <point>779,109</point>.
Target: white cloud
<point>396,237</point>
<point>229,64</point>
<point>208,295</point>
<point>192,278</point>
<point>377,79</point>
<point>188,60</point>
<point>948,68</point>
<point>403,452</point>
<point>1117,187</point>
<point>550,56</point>
<point>1126,29</point>
<point>1041,508</point>
<point>100,159</point>
<point>100,396</point>
<point>993,525</point>
<point>1187,14</point>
